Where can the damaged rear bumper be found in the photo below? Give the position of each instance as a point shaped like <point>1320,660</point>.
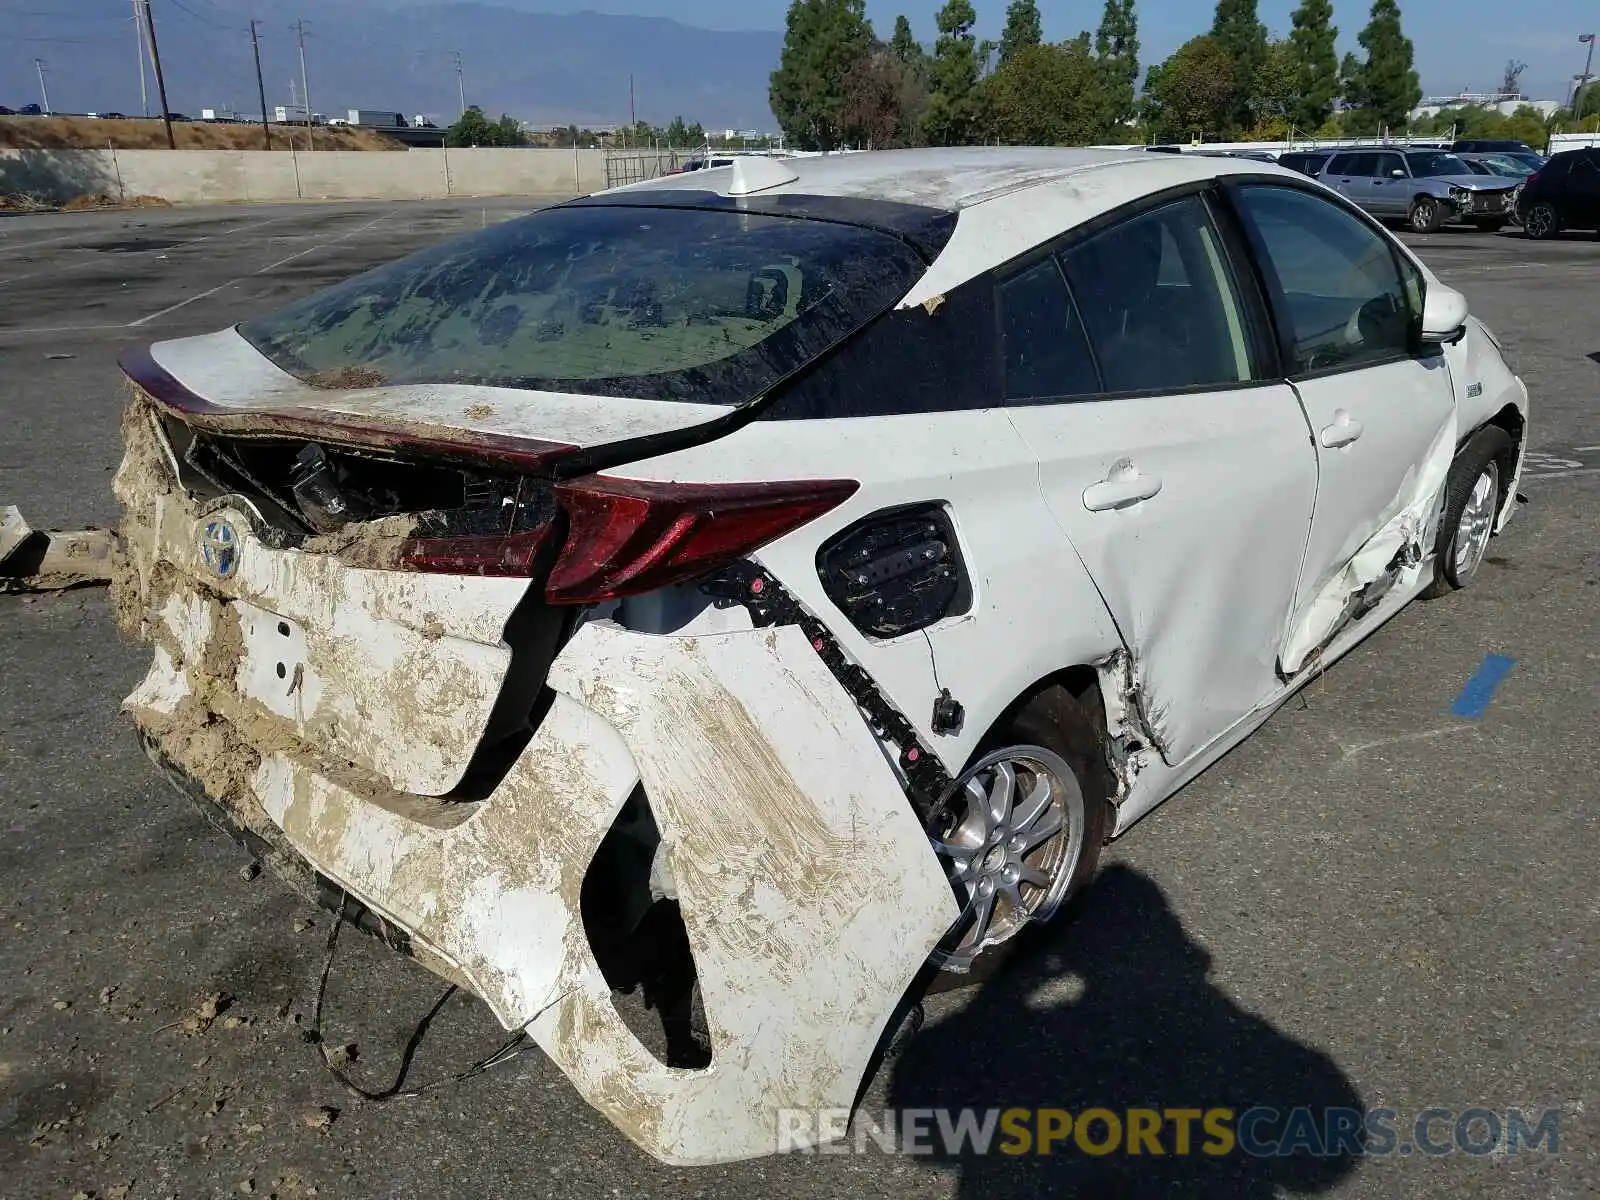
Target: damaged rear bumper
<point>808,891</point>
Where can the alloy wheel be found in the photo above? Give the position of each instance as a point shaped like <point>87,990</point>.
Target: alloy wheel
<point>1540,220</point>
<point>1017,838</point>
<point>1476,526</point>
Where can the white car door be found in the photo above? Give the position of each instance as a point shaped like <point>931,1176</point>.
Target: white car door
<point>1184,482</point>
<point>1381,413</point>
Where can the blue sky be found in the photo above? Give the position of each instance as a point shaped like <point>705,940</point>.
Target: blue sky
<point>1460,43</point>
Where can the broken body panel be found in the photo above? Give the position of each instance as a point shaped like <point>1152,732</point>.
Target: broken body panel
<point>786,829</point>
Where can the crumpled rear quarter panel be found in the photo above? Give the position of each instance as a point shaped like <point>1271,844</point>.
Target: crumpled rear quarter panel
<point>807,886</point>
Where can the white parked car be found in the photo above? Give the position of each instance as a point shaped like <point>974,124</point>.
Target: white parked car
<point>772,586</point>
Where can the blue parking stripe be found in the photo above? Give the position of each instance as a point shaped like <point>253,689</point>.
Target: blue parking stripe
<point>1475,697</point>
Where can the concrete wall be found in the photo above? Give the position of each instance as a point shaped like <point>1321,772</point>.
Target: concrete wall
<point>1573,141</point>
<point>222,176</point>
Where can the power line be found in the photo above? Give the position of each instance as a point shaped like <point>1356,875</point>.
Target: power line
<point>66,41</point>
<point>59,16</point>
<point>203,19</point>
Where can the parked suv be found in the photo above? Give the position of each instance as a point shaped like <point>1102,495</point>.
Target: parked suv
<point>1429,188</point>
<point>1563,194</point>
<point>1307,162</point>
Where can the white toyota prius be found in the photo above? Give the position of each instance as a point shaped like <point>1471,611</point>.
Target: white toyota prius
<point>770,587</point>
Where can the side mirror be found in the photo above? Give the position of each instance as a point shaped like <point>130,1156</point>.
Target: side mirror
<point>1444,316</point>
<point>1397,173</point>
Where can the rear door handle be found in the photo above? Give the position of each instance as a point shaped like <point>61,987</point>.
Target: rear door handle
<point>1344,430</point>
<point>1124,486</point>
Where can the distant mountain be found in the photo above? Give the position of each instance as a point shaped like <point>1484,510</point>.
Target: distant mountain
<point>396,54</point>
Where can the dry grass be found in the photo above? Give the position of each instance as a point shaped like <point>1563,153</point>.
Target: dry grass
<point>81,203</point>
<point>84,133</point>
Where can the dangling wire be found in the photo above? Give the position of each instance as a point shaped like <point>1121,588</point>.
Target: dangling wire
<point>513,1046</point>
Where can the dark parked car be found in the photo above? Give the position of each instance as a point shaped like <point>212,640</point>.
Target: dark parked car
<point>1509,147</point>
<point>1563,194</point>
<point>7,112</point>
<point>30,110</point>
<point>1307,162</point>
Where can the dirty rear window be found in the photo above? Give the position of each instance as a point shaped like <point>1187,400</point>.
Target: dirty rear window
<point>673,304</point>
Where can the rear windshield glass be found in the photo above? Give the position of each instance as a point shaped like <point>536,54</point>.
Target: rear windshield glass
<point>672,304</point>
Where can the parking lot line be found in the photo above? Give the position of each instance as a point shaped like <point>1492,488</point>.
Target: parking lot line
<point>172,308</point>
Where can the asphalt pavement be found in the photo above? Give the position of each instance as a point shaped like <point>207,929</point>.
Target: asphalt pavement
<point>1371,904</point>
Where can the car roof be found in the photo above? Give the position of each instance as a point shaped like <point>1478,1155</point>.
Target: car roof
<point>1009,198</point>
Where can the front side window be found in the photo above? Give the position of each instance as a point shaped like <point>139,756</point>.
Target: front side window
<point>1346,301</point>
<point>1435,165</point>
<point>1387,165</point>
<point>706,306</point>
<point>1158,302</point>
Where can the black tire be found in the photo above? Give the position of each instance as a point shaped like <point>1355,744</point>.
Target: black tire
<point>1541,221</point>
<point>1488,450</point>
<point>1427,215</point>
<point>1054,719</point>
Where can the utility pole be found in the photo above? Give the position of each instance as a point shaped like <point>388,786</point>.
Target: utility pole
<point>138,37</point>
<point>633,115</point>
<point>305,86</point>
<point>1577,94</point>
<point>38,65</point>
<point>261,88</point>
<point>461,86</point>
<point>161,80</point>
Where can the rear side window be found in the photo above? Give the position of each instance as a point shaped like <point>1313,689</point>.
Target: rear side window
<point>656,303</point>
<point>1345,297</point>
<point>1158,302</point>
<point>1046,353</point>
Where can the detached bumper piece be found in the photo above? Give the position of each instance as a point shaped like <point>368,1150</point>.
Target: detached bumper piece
<point>36,561</point>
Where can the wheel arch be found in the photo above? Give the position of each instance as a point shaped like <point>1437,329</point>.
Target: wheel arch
<point>1514,424</point>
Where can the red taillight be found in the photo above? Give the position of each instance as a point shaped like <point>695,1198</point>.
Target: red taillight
<point>626,536</point>
<point>496,554</point>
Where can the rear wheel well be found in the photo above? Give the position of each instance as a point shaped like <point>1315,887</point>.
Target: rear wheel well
<point>1081,682</point>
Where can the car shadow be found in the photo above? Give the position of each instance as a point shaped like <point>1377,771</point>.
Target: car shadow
<point>1115,1011</point>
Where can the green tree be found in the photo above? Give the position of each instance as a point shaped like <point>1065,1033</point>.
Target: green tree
<point>884,100</point>
<point>904,45</point>
<point>1316,63</point>
<point>1046,95</point>
<point>1116,49</point>
<point>1023,28</point>
<point>1274,93</point>
<point>1243,37</point>
<point>824,40</point>
<point>952,115</point>
<point>1194,92</point>
<point>472,128</point>
<point>1386,81</point>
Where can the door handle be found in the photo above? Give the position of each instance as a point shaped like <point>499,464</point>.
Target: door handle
<point>1123,487</point>
<point>1344,430</point>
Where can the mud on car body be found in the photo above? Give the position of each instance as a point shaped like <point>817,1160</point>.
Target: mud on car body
<point>771,587</point>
